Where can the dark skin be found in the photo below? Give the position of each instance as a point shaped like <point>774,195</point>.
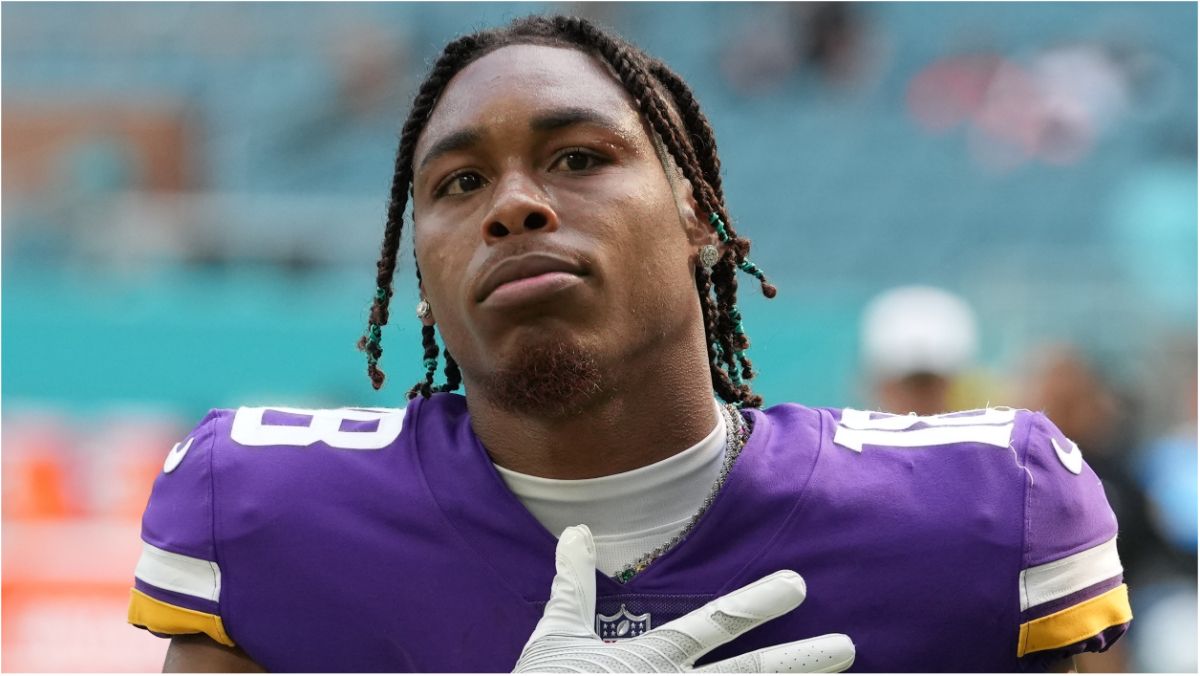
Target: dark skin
<point>197,653</point>
<point>540,149</point>
<point>557,143</point>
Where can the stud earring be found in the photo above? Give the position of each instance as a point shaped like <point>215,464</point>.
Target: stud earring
<point>708,257</point>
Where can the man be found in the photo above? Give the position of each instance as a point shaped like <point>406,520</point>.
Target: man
<point>916,341</point>
<point>574,252</point>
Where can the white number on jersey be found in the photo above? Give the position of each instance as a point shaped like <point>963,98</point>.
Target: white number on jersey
<point>325,426</point>
<point>992,426</point>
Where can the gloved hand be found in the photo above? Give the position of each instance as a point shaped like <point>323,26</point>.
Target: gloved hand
<point>564,639</point>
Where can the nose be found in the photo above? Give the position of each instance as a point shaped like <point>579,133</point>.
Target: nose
<point>518,207</point>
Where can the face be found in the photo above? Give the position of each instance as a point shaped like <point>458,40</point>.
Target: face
<point>544,219</point>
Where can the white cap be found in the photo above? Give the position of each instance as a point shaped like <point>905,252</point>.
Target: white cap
<point>917,329</point>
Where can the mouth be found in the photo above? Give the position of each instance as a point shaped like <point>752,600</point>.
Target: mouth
<point>528,277</point>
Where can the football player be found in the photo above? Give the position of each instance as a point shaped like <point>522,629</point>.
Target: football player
<point>575,256</point>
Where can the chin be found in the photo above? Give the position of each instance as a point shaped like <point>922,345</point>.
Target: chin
<point>552,377</point>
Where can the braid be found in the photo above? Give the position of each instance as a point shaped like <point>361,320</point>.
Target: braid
<point>694,121</point>
<point>662,97</point>
<point>452,59</point>
<point>453,374</point>
<point>723,386</point>
<point>429,342</point>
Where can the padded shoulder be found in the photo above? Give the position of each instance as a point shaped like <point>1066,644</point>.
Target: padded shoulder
<point>244,462</point>
<point>177,582</point>
<point>179,515</point>
<point>1071,587</point>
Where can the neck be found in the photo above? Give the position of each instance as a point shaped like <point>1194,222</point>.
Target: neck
<point>659,405</point>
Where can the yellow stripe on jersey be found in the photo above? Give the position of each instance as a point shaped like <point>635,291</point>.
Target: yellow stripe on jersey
<point>1077,623</point>
<point>164,618</point>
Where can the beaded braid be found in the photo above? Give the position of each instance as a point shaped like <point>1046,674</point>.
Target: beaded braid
<point>651,83</point>
<point>722,384</point>
<point>732,341</point>
<point>453,58</point>
<point>429,342</point>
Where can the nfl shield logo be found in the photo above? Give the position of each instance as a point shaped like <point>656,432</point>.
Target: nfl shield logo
<point>621,625</point>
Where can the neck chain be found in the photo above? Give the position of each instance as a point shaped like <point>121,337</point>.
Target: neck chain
<point>737,432</point>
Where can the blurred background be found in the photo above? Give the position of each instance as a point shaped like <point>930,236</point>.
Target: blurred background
<point>961,204</point>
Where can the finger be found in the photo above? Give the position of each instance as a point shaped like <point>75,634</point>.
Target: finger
<point>727,617</point>
<point>571,610</point>
<point>827,654</point>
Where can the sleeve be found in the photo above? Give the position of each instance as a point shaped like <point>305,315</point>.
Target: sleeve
<point>1071,586</point>
<point>177,582</point>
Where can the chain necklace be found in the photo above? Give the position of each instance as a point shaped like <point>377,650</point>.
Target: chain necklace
<point>736,434</point>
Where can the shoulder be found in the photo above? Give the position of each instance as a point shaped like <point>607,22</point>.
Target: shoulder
<point>997,427</point>
<point>251,473</point>
<point>1069,584</point>
<point>1000,451</point>
<point>876,438</point>
<point>279,429</point>
<point>1071,588</point>
<point>853,428</point>
<point>255,460</point>
<point>335,429</point>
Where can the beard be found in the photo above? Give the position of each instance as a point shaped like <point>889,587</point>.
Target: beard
<point>553,380</point>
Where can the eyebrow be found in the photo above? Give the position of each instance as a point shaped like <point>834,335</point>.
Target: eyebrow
<point>456,140</point>
<point>558,118</point>
<point>566,117</point>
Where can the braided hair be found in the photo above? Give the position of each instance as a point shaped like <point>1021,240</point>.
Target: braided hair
<point>668,105</point>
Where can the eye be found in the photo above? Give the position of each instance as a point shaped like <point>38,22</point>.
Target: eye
<point>460,184</point>
<point>576,160</point>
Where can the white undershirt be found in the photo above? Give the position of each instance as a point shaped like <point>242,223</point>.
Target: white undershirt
<point>629,513</point>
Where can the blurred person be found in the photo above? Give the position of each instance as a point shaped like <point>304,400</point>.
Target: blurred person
<point>1063,384</point>
<point>1165,466</point>
<point>575,255</point>
<point>915,342</point>
<point>830,39</point>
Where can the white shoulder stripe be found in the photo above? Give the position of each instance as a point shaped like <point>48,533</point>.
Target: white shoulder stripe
<point>1054,580</point>
<point>179,573</point>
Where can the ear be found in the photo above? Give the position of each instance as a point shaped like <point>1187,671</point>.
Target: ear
<point>695,224</point>
<point>429,319</point>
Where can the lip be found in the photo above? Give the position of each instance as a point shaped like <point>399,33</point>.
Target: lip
<point>530,273</point>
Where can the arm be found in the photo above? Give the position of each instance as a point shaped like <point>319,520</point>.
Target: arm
<point>198,653</point>
<point>1063,666</point>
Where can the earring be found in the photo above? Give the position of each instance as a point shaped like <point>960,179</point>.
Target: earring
<point>423,310</point>
<point>708,257</point>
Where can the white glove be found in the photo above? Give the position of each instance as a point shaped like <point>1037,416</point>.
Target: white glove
<point>564,639</point>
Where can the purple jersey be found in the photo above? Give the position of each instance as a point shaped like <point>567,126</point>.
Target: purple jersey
<point>385,540</point>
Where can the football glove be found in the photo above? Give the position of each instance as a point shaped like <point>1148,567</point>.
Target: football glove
<point>565,641</point>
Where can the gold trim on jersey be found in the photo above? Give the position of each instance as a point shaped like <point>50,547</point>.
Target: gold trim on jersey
<point>164,618</point>
<point>1077,623</point>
